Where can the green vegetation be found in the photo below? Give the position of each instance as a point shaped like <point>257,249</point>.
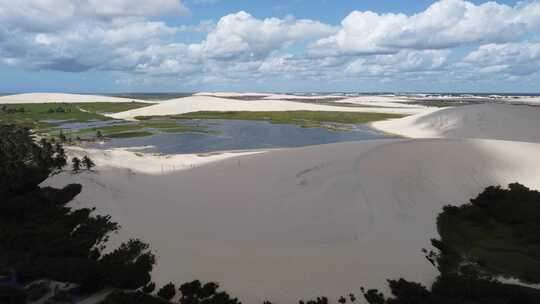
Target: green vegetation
<point>41,237</point>
<point>137,129</point>
<point>131,134</point>
<point>307,119</point>
<point>496,235</point>
<point>167,292</point>
<point>111,107</point>
<point>137,297</point>
<point>190,293</point>
<point>34,115</point>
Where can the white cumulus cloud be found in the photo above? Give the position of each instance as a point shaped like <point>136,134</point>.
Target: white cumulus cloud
<point>445,24</point>
<point>241,34</point>
<point>515,59</point>
<point>133,38</point>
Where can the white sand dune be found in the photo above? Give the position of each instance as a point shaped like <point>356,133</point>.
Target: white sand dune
<point>209,103</point>
<point>508,99</point>
<point>152,164</point>
<point>230,94</point>
<point>62,98</point>
<point>491,121</point>
<point>533,100</point>
<point>292,223</point>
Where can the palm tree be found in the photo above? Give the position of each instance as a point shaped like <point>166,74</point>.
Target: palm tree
<point>88,163</point>
<point>76,164</point>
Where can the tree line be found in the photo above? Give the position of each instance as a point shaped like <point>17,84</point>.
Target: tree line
<point>42,237</point>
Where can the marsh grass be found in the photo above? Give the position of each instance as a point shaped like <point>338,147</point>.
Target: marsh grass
<point>306,119</point>
<point>111,107</point>
<point>138,129</point>
<point>42,116</point>
<point>131,134</point>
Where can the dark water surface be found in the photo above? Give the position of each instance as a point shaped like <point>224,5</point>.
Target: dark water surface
<point>242,135</point>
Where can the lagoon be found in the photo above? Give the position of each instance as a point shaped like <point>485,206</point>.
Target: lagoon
<point>224,135</point>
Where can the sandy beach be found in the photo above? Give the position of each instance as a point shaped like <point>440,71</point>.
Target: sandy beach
<point>154,164</point>
<point>322,220</point>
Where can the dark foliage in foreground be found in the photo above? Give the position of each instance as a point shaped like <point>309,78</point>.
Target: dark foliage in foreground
<point>193,292</point>
<point>119,297</point>
<point>197,293</point>
<point>167,292</point>
<point>40,237</point>
<point>496,234</point>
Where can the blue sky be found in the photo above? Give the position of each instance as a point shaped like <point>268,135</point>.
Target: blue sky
<point>296,45</point>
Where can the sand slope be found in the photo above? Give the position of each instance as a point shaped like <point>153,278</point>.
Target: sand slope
<point>62,97</point>
<point>322,220</point>
<point>491,121</point>
<point>319,220</point>
<point>209,103</point>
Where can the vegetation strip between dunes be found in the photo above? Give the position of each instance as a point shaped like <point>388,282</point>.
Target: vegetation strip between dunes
<point>300,118</point>
<point>36,115</point>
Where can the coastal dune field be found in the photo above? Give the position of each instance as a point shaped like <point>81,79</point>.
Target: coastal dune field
<point>291,223</point>
<point>210,103</point>
<point>287,224</point>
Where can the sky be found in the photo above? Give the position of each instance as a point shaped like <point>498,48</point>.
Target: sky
<point>108,46</point>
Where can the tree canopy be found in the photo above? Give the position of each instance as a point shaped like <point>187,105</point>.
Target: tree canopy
<point>41,237</point>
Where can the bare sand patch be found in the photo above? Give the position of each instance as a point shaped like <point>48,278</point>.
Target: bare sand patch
<point>293,223</point>
<point>489,121</point>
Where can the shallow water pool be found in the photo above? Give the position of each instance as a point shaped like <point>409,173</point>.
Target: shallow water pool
<point>241,135</point>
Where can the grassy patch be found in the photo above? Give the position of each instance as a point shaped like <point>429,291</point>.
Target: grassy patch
<point>111,107</point>
<point>143,128</point>
<point>34,115</point>
<point>131,134</point>
<point>301,118</point>
<point>108,130</point>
